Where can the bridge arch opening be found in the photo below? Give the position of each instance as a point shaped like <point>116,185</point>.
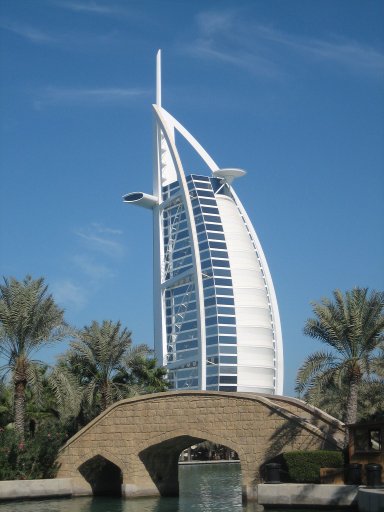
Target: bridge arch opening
<point>162,459</point>
<point>104,477</point>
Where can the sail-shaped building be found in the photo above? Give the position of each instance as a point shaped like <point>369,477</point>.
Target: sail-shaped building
<point>216,316</point>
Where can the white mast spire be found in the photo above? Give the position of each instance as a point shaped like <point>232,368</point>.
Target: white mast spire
<point>158,78</point>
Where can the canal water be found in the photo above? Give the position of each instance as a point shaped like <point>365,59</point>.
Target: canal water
<point>203,488</point>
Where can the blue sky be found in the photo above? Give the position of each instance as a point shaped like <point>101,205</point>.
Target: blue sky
<point>291,91</point>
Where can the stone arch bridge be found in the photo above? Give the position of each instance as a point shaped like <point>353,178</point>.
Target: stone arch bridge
<point>140,439</point>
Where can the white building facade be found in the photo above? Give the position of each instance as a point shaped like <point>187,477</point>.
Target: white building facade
<point>217,324</point>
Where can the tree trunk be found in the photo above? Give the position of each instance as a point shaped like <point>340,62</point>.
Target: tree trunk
<point>104,402</point>
<point>20,386</point>
<point>351,413</point>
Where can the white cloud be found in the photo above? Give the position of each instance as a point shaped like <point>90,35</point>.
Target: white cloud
<point>349,53</point>
<point>69,294</point>
<point>28,32</point>
<point>104,229</point>
<point>102,239</point>
<point>99,96</point>
<point>97,8</point>
<point>92,268</point>
<point>73,40</point>
<point>228,36</point>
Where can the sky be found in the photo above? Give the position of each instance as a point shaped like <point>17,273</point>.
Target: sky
<point>290,91</point>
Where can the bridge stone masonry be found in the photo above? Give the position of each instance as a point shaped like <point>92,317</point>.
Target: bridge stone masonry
<point>134,446</point>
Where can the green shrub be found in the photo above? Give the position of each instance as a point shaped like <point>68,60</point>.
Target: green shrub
<point>304,467</point>
<point>31,459</point>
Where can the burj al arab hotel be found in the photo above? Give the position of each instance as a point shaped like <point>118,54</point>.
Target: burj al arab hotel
<point>217,324</point>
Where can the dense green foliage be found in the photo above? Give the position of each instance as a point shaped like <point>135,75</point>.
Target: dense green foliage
<point>29,319</point>
<point>340,379</point>
<point>39,403</point>
<point>304,467</point>
<point>35,457</point>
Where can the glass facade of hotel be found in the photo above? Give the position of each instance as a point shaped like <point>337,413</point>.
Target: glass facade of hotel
<point>180,299</point>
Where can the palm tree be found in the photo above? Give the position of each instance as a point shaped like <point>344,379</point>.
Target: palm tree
<point>143,375</point>
<point>333,399</point>
<point>353,327</point>
<point>29,319</point>
<point>98,354</point>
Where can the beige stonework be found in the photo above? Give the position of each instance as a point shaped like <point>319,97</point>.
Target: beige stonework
<point>144,436</point>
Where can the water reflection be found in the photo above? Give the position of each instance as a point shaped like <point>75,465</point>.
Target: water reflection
<point>217,485</point>
<point>203,488</point>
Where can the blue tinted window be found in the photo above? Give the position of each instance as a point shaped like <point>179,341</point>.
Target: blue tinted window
<point>186,345</point>
<point>178,290</point>
<point>212,320</point>
<point>226,311</point>
<point>222,272</point>
<point>227,320</point>
<point>227,388</point>
<point>201,237</point>
<point>210,311</point>
<point>207,201</point>
<point>174,192</point>
<point>186,336</point>
<point>181,253</point>
<point>204,254</point>
<point>206,264</point>
<point>228,349</point>
<point>218,245</point>
<point>195,202</point>
<point>219,254</point>
<point>186,383</point>
<point>212,380</point>
<point>225,300</point>
<point>182,234</point>
<point>219,281</point>
<point>203,185</point>
<point>228,379</point>
<point>216,183</point>
<point>228,359</point>
<point>210,302</point>
<point>209,291</point>
<point>226,329</point>
<point>207,283</point>
<point>220,263</point>
<point>228,369</point>
<point>205,193</point>
<point>200,228</point>
<point>182,243</point>
<point>212,340</point>
<point>212,235</point>
<point>224,291</point>
<point>227,339</point>
<point>203,245</point>
<point>214,227</point>
<point>211,210</point>
<point>211,330</point>
<point>197,177</point>
<point>188,326</point>
<point>212,218</point>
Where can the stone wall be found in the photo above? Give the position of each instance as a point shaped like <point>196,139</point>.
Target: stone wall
<point>144,437</point>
